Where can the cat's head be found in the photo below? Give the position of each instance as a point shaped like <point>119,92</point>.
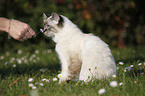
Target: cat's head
<point>52,24</point>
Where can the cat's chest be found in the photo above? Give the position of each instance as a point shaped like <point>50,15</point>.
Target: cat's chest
<point>70,46</point>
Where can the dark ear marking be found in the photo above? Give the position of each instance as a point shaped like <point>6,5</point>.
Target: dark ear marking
<point>61,21</point>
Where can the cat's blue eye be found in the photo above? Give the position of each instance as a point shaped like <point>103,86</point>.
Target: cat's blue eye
<point>48,26</point>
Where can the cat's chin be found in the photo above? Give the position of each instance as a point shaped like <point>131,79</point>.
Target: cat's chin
<point>50,34</point>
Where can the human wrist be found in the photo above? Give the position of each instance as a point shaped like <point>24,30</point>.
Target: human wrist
<point>4,25</point>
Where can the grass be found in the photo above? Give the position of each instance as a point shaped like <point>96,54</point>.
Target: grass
<point>21,63</point>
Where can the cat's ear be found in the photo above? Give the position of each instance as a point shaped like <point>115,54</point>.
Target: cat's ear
<point>44,16</point>
<point>55,17</point>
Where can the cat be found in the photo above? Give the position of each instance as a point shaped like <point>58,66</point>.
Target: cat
<point>83,56</point>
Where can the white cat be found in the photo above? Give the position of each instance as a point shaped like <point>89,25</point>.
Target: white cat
<point>82,56</point>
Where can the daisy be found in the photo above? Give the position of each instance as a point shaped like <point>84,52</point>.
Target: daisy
<point>25,61</point>
<point>36,51</point>
<point>2,57</point>
<point>14,65</point>
<point>120,83</point>
<point>55,79</point>
<point>7,53</point>
<point>124,70</point>
<point>38,58</point>
<point>117,68</point>
<point>36,83</point>
<point>139,64</point>
<point>131,65</point>
<point>34,87</point>
<point>30,79</point>
<point>59,75</point>
<point>12,60</point>
<point>81,78</point>
<point>114,76</point>
<point>41,84</point>
<point>101,91</point>
<point>113,84</point>
<point>19,61</point>
<point>121,63</point>
<point>19,51</point>
<point>31,85</point>
<point>47,80</point>
<point>44,79</point>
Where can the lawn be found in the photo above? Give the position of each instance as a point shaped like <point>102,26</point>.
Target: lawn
<point>32,71</point>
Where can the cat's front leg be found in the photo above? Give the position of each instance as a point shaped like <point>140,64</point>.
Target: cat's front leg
<point>64,58</point>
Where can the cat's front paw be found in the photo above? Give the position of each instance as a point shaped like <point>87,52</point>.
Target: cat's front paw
<point>64,78</point>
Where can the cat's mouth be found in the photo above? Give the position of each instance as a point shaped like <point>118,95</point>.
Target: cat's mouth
<point>48,28</point>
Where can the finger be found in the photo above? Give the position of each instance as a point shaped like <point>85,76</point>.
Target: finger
<point>28,35</point>
<point>31,31</point>
<point>24,37</point>
<point>20,39</point>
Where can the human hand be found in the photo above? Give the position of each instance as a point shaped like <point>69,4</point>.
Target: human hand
<point>20,31</point>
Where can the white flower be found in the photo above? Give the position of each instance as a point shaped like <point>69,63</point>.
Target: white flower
<point>31,85</point>
<point>12,60</point>
<point>81,78</point>
<point>36,83</point>
<point>30,79</point>
<point>14,65</point>
<point>120,83</point>
<point>131,65</point>
<point>59,75</point>
<point>121,63</point>
<point>117,68</point>
<point>33,56</point>
<point>54,79</point>
<point>34,87</point>
<point>38,58</point>
<point>139,64</point>
<point>114,76</point>
<point>19,61</point>
<point>25,61</point>
<point>2,57</point>
<point>101,91</point>
<point>44,79</point>
<point>113,84</point>
<point>41,84</point>
<point>124,70</point>
<point>36,51</point>
<point>7,53</point>
<point>47,80</point>
<point>34,61</point>
<point>19,51</point>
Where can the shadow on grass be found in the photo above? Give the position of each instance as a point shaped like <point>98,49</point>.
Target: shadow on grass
<point>31,70</point>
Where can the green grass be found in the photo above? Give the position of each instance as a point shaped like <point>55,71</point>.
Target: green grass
<point>14,80</point>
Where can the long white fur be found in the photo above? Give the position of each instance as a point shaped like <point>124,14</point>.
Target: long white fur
<point>82,55</point>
